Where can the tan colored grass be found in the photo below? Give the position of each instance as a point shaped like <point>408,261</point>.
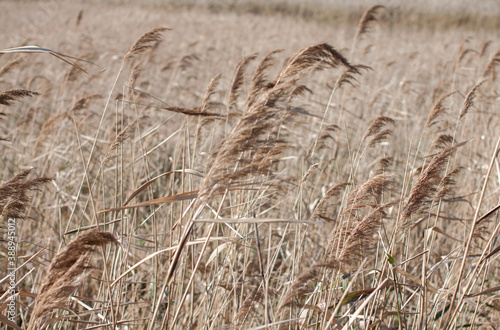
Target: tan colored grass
<point>65,275</point>
<point>272,240</point>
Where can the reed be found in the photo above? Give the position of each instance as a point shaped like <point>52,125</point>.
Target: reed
<point>250,170</point>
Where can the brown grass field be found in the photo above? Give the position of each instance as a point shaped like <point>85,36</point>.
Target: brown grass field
<point>249,165</point>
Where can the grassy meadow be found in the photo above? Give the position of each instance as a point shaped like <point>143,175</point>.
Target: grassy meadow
<point>249,165</point>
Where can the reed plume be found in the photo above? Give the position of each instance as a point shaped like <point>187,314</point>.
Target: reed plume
<point>210,91</point>
<point>484,48</point>
<point>7,97</point>
<point>250,148</point>
<point>79,105</point>
<point>238,80</point>
<point>437,110</point>
<point>379,137</point>
<point>442,141</point>
<point>354,233</point>
<point>347,77</point>
<point>368,17</point>
<point>318,57</point>
<point>447,185</point>
<point>376,126</point>
<point>9,66</point>
<point>349,244</point>
<point>249,304</point>
<point>427,183</point>
<point>320,211</point>
<point>491,67</point>
<point>253,145</point>
<point>383,165</point>
<point>120,138</point>
<point>259,79</point>
<point>370,191</point>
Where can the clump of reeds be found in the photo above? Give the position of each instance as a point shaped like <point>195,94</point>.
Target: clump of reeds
<point>65,275</point>
<point>253,145</point>
<point>375,130</point>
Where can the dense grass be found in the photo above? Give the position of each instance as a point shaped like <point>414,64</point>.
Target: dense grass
<point>344,181</point>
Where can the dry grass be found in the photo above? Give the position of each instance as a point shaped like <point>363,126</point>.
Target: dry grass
<point>248,177</point>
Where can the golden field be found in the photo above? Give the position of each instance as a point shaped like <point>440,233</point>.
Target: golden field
<point>249,165</point>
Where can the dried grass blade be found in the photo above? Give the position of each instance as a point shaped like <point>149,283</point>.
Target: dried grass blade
<point>216,251</point>
<point>144,186</point>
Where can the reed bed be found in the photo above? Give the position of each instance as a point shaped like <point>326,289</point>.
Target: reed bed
<point>272,182</point>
